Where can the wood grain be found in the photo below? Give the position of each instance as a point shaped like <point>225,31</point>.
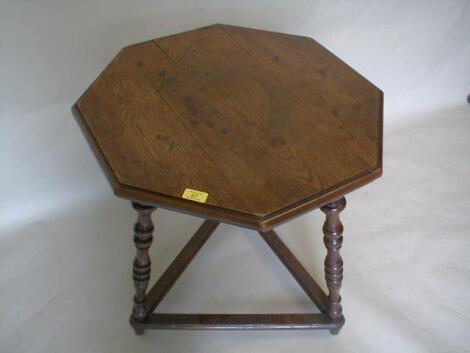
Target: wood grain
<point>269,125</point>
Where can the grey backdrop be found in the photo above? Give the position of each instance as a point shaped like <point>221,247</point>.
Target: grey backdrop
<point>65,242</point>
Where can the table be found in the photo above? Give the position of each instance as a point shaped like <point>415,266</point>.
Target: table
<point>240,126</point>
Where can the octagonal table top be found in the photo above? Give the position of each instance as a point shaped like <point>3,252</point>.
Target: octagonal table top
<point>245,126</point>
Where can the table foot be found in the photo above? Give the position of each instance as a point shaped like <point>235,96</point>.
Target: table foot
<point>139,331</point>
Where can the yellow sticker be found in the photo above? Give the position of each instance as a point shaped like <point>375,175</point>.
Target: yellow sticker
<point>195,195</point>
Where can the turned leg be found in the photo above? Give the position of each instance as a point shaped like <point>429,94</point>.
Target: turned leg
<point>333,231</point>
<point>143,230</point>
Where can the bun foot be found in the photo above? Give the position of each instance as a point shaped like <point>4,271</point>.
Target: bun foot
<point>139,331</point>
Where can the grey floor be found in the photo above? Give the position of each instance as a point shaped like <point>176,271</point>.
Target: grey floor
<point>65,278</point>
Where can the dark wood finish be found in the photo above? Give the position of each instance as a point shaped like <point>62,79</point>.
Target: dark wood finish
<point>269,125</point>
<point>294,266</point>
<point>143,230</point>
<point>179,264</point>
<point>248,116</point>
<point>333,239</point>
<point>240,322</point>
<point>327,319</point>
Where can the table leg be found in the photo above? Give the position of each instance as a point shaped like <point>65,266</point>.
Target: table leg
<point>333,239</point>
<point>143,230</point>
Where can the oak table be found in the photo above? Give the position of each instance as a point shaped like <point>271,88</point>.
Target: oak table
<point>239,126</point>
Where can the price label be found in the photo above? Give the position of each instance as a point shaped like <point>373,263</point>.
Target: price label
<point>195,195</point>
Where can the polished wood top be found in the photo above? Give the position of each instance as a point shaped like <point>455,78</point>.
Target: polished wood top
<point>269,125</point>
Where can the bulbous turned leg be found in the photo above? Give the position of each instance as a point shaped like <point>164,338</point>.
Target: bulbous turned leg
<point>143,230</point>
<point>333,239</point>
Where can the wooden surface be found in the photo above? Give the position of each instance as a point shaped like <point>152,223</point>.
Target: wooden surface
<point>141,266</point>
<point>145,303</point>
<point>333,239</point>
<point>303,278</point>
<point>238,322</point>
<point>269,125</point>
<point>179,264</point>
